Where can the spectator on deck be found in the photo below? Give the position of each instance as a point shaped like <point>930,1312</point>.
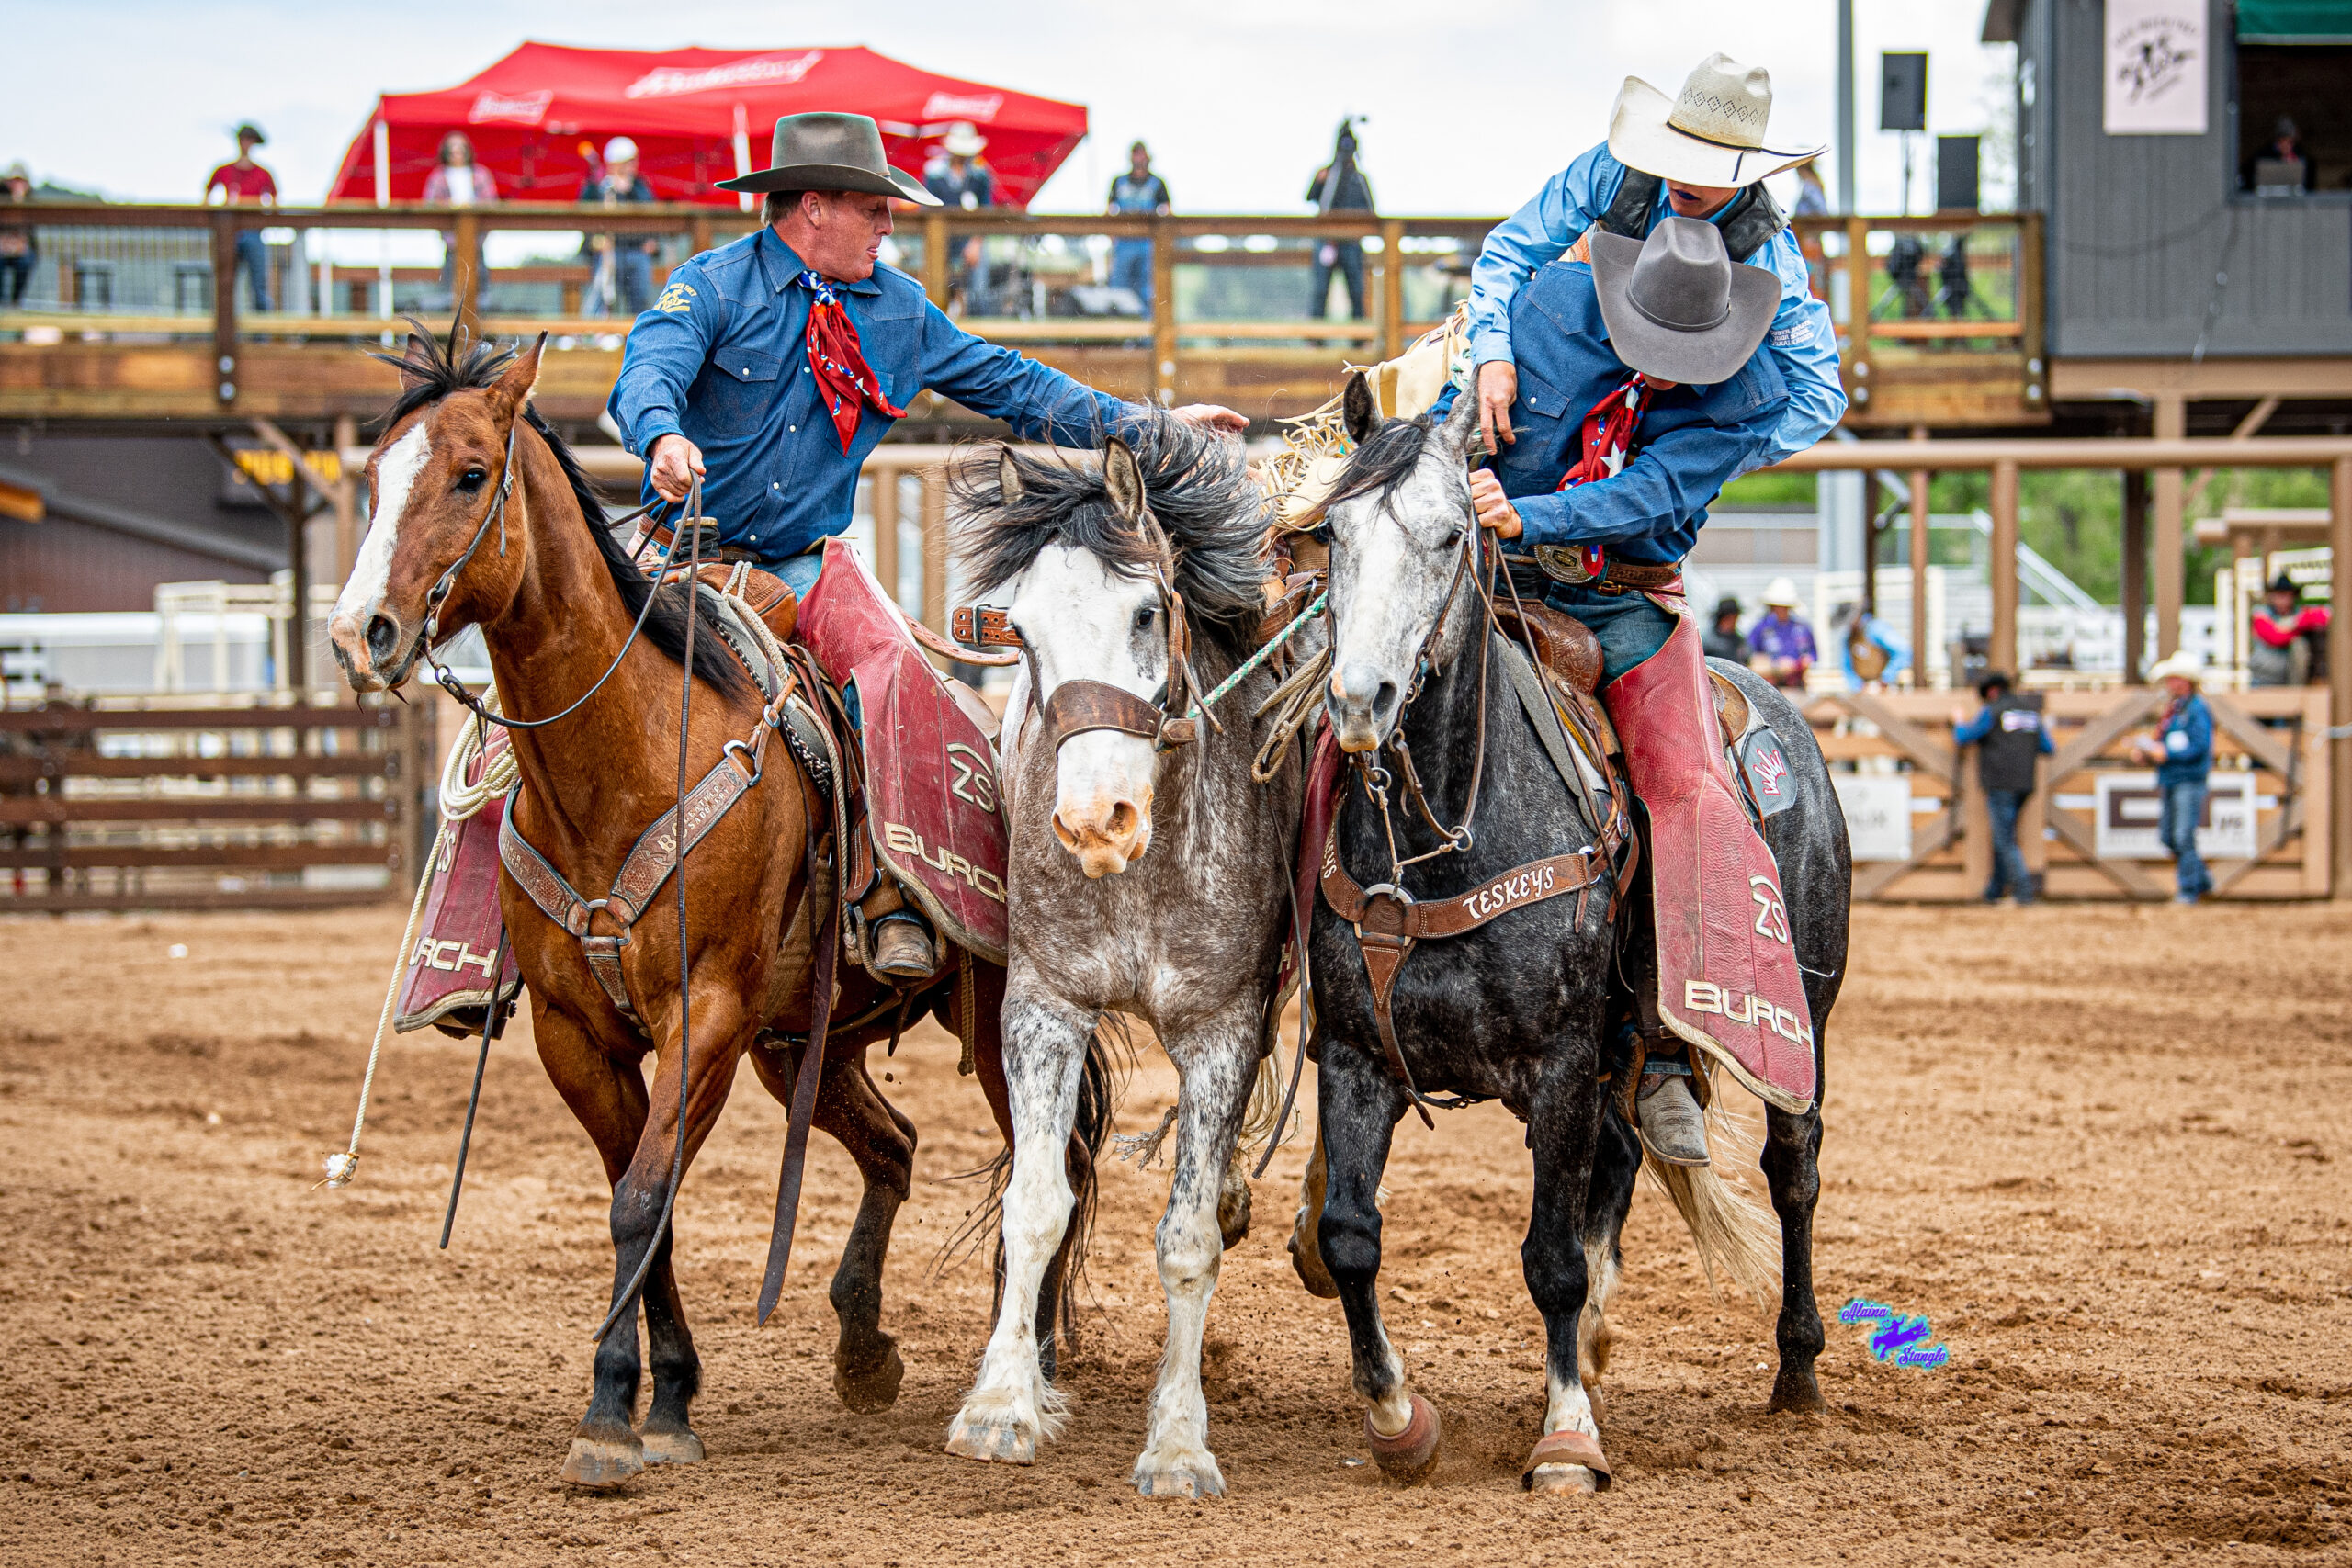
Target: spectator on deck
<point>243,180</point>
<point>2289,643</point>
<point>1338,186</point>
<point>959,178</point>
<point>1871,655</point>
<point>19,247</point>
<point>1813,197</point>
<point>1136,193</point>
<point>1780,645</point>
<point>457,181</point>
<point>2010,738</point>
<point>2285,146</point>
<point>2182,751</point>
<point>623,272</point>
<point>1721,638</point>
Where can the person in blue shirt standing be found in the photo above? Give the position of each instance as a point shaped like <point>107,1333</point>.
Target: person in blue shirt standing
<point>1644,392</point>
<point>2182,749</point>
<point>2011,738</point>
<point>1703,157</point>
<point>776,363</point>
<point>1138,193</point>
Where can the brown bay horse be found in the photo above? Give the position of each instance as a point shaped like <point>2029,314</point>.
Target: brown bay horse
<point>556,598</point>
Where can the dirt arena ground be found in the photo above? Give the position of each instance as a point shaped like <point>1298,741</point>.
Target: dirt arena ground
<point>2105,1151</point>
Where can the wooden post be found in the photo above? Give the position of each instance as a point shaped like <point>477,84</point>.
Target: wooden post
<point>224,307</point>
<point>698,234</point>
<point>2030,314</point>
<point>1869,541</point>
<point>1163,311</point>
<point>1919,632</point>
<point>347,498</point>
<point>2339,672</point>
<point>2002,652</point>
<point>1392,289</point>
<point>1858,308</point>
<point>2135,574</point>
<point>934,257</point>
<point>885,525</point>
<point>464,267</point>
<point>2171,565</point>
<point>935,550</point>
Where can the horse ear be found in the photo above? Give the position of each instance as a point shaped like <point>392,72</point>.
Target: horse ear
<point>1358,410</point>
<point>1124,479</point>
<point>515,384</point>
<point>1460,431</point>
<point>1008,476</point>
<point>414,361</point>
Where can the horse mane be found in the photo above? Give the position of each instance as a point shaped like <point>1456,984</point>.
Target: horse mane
<point>432,369</point>
<point>1198,485</point>
<point>1387,460</point>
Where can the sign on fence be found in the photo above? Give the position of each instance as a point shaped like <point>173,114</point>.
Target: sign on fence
<point>1877,814</point>
<point>2128,815</point>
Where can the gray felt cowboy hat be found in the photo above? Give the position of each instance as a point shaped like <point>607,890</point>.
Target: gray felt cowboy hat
<point>831,152</point>
<point>1678,307</point>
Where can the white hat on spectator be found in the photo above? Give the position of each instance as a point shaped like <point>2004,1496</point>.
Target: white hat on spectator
<point>620,149</point>
<point>2185,664</point>
<point>963,140</point>
<point>1780,593</point>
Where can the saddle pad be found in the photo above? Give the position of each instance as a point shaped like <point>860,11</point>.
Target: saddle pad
<point>931,797</point>
<point>457,935</point>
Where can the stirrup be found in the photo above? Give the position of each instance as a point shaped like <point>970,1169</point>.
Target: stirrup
<point>904,947</point>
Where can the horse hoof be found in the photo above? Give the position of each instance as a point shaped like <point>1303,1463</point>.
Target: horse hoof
<point>1561,1481</point>
<point>1797,1393</point>
<point>1311,1272</point>
<point>877,1390</point>
<point>602,1464</point>
<point>677,1445</point>
<point>1000,1442</point>
<point>1411,1452</point>
<point>1179,1475</point>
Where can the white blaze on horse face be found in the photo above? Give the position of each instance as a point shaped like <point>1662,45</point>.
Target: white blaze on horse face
<point>1077,619</point>
<point>1388,588</point>
<point>363,593</point>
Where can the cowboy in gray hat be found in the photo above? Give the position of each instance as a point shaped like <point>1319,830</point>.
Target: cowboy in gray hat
<point>1703,155</point>
<point>774,365</point>
<point>1647,389</point>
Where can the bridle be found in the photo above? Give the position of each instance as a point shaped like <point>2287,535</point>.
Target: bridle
<point>1081,704</point>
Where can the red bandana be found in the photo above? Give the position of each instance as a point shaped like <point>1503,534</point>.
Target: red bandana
<point>1608,440</point>
<point>843,379</point>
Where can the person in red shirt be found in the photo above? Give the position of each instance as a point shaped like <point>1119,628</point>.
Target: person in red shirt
<point>2289,643</point>
<point>242,181</point>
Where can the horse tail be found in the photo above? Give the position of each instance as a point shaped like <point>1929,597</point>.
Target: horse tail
<point>1730,1229</point>
<point>1262,1124</point>
<point>1098,1097</point>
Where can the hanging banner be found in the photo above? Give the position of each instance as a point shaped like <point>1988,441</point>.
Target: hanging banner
<point>2157,57</point>
<point>2128,817</point>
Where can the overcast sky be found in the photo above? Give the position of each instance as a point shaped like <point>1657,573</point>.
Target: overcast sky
<point>1472,102</point>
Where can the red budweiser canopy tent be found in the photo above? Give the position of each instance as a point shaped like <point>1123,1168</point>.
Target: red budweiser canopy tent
<point>540,118</point>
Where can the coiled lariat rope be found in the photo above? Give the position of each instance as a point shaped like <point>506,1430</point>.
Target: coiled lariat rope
<point>459,800</point>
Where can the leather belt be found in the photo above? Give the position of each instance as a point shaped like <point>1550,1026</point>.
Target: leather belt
<point>1571,563</point>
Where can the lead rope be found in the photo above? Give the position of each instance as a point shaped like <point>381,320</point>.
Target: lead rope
<point>459,800</point>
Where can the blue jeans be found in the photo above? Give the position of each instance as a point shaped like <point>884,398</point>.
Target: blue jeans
<point>1131,268</point>
<point>252,260</point>
<point>2184,807</point>
<point>1347,255</point>
<point>2009,874</point>
<point>1631,626</point>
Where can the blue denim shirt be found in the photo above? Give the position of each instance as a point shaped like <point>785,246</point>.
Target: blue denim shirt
<point>2188,737</point>
<point>1802,339</point>
<point>1692,440</point>
<point>722,359</point>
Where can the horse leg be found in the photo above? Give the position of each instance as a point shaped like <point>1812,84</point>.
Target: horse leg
<point>1216,1065</point>
<point>1616,1162</point>
<point>1305,1245</point>
<point>605,1451</point>
<point>1358,1104</point>
<point>866,1368</point>
<point>1011,1405</point>
<point>1792,1173</point>
<point>1563,1123</point>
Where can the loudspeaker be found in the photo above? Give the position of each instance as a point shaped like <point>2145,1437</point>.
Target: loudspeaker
<point>1956,173</point>
<point>1902,92</point>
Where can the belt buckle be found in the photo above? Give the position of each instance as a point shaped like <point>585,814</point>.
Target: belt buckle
<point>1572,563</point>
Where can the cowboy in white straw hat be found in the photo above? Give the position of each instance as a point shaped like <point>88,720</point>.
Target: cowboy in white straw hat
<point>2182,751</point>
<point>777,363</point>
<point>1656,391</point>
<point>1701,154</point>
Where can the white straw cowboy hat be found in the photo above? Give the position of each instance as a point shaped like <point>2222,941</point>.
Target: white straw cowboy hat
<point>1780,593</point>
<point>619,149</point>
<point>963,141</point>
<point>1712,135</point>
<point>1677,306</point>
<point>2185,664</point>
<point>831,152</point>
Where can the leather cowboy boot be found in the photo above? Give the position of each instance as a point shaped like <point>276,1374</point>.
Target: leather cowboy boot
<point>1728,982</point>
<point>903,949</point>
<point>1673,1128</point>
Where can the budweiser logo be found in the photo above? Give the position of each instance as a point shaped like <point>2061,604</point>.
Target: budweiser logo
<point>765,71</point>
<point>979,107</point>
<point>520,109</point>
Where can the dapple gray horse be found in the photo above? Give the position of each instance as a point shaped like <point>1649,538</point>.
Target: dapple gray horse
<point>1148,872</point>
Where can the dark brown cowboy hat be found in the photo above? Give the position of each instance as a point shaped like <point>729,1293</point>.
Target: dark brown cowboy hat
<point>1678,307</point>
<point>831,152</point>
